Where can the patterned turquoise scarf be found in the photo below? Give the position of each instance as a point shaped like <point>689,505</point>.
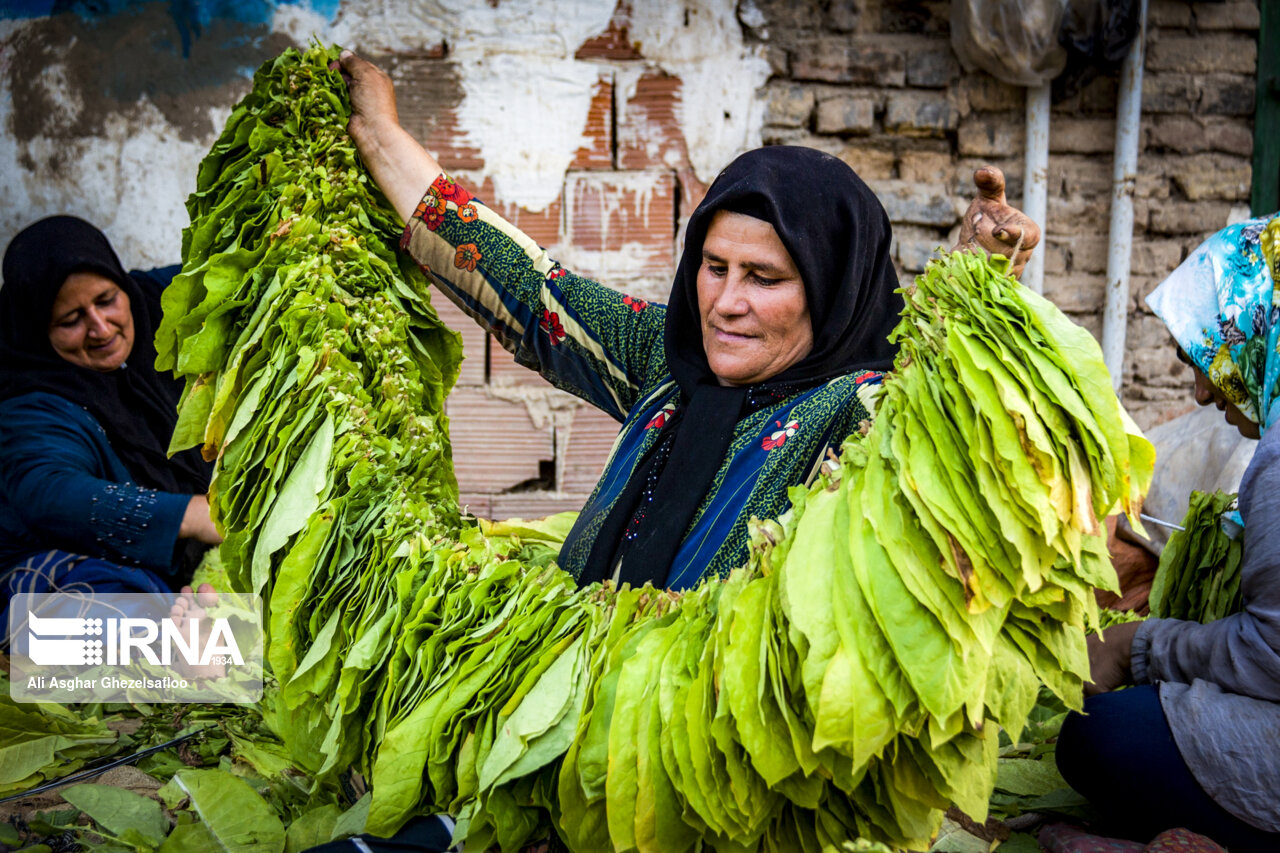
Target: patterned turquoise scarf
<point>1223,309</point>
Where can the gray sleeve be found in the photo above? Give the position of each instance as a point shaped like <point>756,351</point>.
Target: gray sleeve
<point>1240,653</point>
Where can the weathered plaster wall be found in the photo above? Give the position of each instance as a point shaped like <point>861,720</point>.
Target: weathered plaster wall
<point>109,110</point>
<point>595,125</point>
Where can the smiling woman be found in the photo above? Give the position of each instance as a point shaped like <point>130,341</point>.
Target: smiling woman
<point>92,323</point>
<point>88,494</point>
<point>755,318</point>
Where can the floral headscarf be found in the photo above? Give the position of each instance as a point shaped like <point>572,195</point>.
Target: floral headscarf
<point>1223,309</point>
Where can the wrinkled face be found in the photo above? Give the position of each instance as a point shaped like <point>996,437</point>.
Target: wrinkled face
<point>91,324</point>
<point>1206,392</point>
<point>755,318</point>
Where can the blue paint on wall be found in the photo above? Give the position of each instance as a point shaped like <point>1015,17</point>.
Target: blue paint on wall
<point>190,15</point>
<point>26,8</point>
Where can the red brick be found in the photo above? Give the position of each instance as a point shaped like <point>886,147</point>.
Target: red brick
<point>495,444</point>
<point>445,140</point>
<point>542,226</point>
<point>428,94</point>
<point>621,223</point>
<point>615,42</point>
<point>692,191</point>
<point>583,447</point>
<point>479,505</point>
<point>475,340</point>
<point>535,504</point>
<point>503,369</point>
<point>598,152</point>
<point>649,133</point>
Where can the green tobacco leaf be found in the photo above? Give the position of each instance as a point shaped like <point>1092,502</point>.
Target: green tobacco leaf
<point>1020,842</point>
<point>193,414</point>
<point>191,838</point>
<point>172,794</point>
<point>953,838</point>
<point>353,820</point>
<point>22,760</point>
<point>1027,778</point>
<point>520,747</point>
<point>117,810</point>
<point>1064,800</point>
<point>235,815</point>
<point>553,528</point>
<point>312,828</point>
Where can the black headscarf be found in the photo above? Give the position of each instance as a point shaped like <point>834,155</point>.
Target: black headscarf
<point>135,405</point>
<point>838,234</point>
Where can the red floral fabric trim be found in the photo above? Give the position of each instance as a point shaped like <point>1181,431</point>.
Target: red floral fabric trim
<point>779,437</point>
<point>659,420</point>
<point>431,210</point>
<point>550,323</point>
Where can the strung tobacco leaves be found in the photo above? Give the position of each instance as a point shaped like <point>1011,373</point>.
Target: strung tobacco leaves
<point>837,693</point>
<point>316,373</point>
<point>1198,578</point>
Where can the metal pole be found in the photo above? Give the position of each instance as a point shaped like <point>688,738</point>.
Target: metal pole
<point>1124,178</point>
<point>1035,188</point>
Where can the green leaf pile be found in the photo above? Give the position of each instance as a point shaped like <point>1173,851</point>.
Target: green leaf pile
<point>316,371</point>
<point>44,741</point>
<point>315,366</point>
<point>1198,578</point>
<point>837,693</point>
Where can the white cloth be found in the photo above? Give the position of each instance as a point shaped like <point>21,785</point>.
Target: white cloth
<point>1198,451</point>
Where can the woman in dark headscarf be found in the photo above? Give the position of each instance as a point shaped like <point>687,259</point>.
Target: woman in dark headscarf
<point>768,354</point>
<point>88,495</point>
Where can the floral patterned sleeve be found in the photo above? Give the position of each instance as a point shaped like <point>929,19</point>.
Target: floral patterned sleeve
<point>580,335</point>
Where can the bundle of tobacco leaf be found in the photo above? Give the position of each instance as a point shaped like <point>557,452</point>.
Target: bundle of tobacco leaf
<point>839,692</point>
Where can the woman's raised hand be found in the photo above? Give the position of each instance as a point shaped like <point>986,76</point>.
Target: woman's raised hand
<point>373,100</point>
<point>400,166</point>
<point>992,225</point>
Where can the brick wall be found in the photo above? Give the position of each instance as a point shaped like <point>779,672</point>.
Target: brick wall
<point>522,447</point>
<point>876,83</point>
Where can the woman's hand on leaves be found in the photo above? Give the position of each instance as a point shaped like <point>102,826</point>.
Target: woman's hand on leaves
<point>197,523</point>
<point>1109,656</point>
<point>400,166</point>
<point>991,225</point>
<point>373,101</point>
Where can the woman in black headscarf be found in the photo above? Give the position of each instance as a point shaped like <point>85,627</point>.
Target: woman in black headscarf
<point>88,495</point>
<point>768,354</point>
